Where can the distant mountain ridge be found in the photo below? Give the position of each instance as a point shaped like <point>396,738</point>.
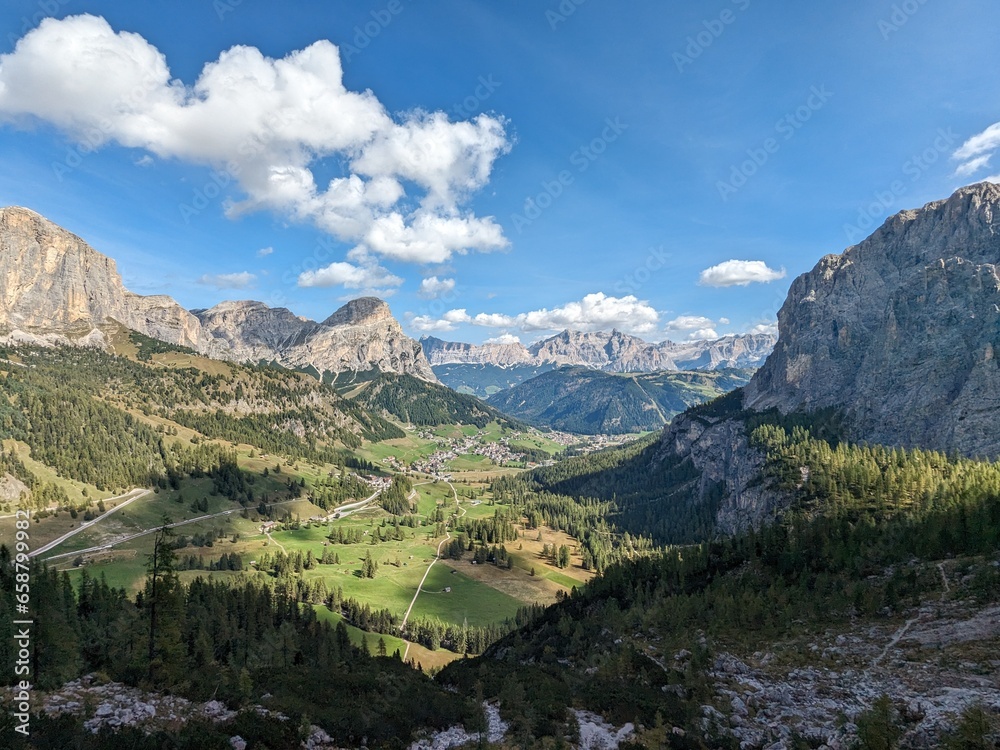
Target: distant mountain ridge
<point>55,287</point>
<point>591,402</point>
<point>610,352</point>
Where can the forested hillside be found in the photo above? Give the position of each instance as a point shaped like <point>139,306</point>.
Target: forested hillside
<point>587,401</point>
<point>105,419</point>
<point>418,402</point>
<point>232,642</point>
<point>483,380</point>
<point>859,543</point>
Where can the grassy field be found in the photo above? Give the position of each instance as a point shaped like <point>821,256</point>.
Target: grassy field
<point>538,441</point>
<point>454,592</point>
<point>408,449</point>
<point>75,490</point>
<point>471,462</point>
<point>451,596</point>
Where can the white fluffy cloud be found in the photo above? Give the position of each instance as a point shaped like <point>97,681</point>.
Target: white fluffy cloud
<point>695,327</point>
<point>433,287</point>
<point>263,123</point>
<point>975,153</point>
<point>504,338</point>
<point>427,324</point>
<point>595,312</point>
<point>771,328</point>
<point>264,252</point>
<point>371,278</point>
<point>241,280</point>
<point>739,273</point>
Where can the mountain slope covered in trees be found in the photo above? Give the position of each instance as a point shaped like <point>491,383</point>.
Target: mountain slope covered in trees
<point>587,401</point>
<point>417,402</point>
<point>864,540</point>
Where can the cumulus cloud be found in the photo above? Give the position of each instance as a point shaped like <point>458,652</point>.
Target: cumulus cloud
<point>264,252</point>
<point>739,273</point>
<point>973,165</point>
<point>262,124</point>
<point>975,154</point>
<point>694,327</point>
<point>769,328</point>
<point>503,338</point>
<point>371,278</point>
<point>689,323</point>
<point>595,312</point>
<point>241,280</point>
<point>427,324</point>
<point>433,287</point>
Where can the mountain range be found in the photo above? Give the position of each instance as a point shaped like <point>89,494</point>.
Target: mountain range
<point>877,577</point>
<point>55,287</point>
<point>610,352</point>
<point>591,402</point>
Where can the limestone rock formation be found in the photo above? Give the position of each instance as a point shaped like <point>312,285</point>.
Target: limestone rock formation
<point>55,288</point>
<point>52,282</point>
<point>901,331</point>
<point>440,352</point>
<point>738,350</point>
<point>900,334</point>
<point>610,352</point>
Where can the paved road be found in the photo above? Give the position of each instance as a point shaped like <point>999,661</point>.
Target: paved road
<point>147,532</point>
<point>348,508</point>
<point>132,496</point>
<point>344,510</point>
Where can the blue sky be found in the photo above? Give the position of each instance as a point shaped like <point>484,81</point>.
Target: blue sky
<point>513,169</point>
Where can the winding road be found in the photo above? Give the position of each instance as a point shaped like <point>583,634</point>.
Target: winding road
<point>132,496</point>
<point>147,532</point>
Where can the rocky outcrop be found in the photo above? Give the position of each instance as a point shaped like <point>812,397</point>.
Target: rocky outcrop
<point>112,706</point>
<point>360,336</point>
<point>611,352</point>
<point>52,282</point>
<point>440,352</point>
<point>901,332</point>
<point>56,289</point>
<point>251,331</point>
<point>719,449</point>
<point>735,351</point>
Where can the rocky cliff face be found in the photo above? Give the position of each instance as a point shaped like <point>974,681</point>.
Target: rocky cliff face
<point>361,335</point>
<point>901,332</point>
<point>744,350</point>
<point>610,352</point>
<point>440,352</point>
<point>54,288</point>
<point>52,282</point>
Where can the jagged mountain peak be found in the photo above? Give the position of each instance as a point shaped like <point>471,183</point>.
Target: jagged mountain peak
<point>361,311</point>
<point>898,335</point>
<point>53,284</point>
<point>616,351</point>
